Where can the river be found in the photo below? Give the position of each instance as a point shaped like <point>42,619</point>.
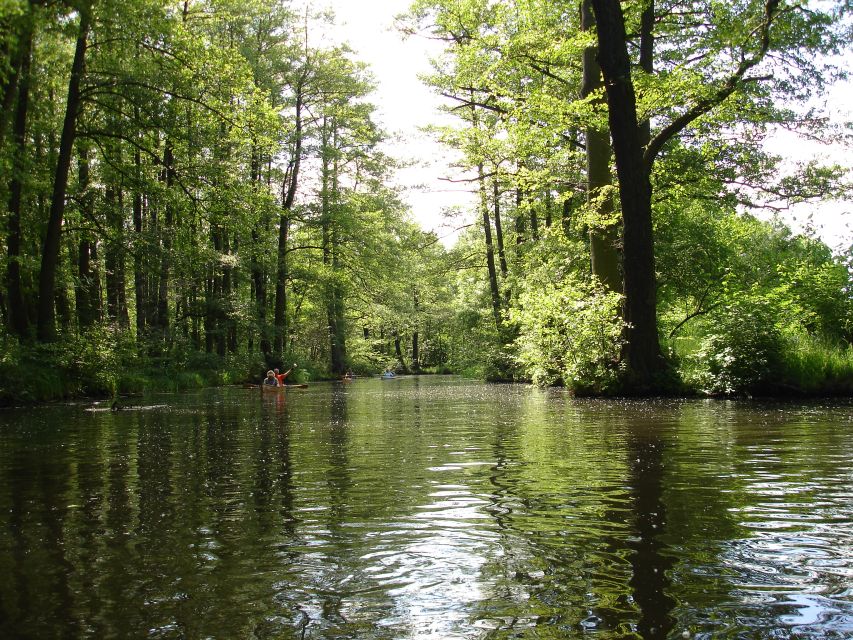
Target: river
<point>429,507</point>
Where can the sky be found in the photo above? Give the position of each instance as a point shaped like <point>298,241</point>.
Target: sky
<point>405,104</point>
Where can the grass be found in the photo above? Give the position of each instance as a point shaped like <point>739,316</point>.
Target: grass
<point>809,366</point>
<point>816,367</point>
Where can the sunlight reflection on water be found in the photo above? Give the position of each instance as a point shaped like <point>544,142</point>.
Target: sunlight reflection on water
<point>427,508</point>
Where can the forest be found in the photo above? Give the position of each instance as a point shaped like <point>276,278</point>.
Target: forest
<point>196,191</point>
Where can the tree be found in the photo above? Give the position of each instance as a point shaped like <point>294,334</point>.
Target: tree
<point>50,251</point>
<point>643,355</point>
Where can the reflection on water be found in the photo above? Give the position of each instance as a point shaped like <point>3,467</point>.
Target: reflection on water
<point>426,508</point>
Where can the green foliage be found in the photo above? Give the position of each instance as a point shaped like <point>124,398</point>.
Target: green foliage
<point>569,332</point>
<point>365,359</point>
<point>742,351</point>
<point>812,365</point>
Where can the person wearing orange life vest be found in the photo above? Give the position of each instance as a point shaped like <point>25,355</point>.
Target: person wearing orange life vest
<point>281,376</point>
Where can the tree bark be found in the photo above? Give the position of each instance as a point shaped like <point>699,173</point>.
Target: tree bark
<point>499,234</point>
<point>490,250</point>
<point>416,354</point>
<point>288,197</point>
<point>114,259</point>
<point>603,250</point>
<point>334,296</point>
<point>259,280</point>
<point>18,320</point>
<point>398,350</point>
<point>46,330</point>
<point>87,293</point>
<point>163,323</point>
<point>642,352</point>
<point>139,253</point>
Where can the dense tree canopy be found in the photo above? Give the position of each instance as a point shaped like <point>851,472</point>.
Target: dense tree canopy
<point>198,184</point>
<point>687,92</point>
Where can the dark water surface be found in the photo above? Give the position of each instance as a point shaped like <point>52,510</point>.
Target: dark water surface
<point>427,508</point>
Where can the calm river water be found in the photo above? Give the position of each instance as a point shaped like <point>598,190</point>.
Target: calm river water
<point>426,508</point>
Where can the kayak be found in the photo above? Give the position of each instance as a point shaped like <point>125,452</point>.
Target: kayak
<point>270,388</point>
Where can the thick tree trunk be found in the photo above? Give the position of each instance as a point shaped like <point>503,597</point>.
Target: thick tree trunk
<point>50,254</point>
<point>647,59</point>
<point>603,240</point>
<point>17,309</point>
<point>642,353</point>
<point>334,294</point>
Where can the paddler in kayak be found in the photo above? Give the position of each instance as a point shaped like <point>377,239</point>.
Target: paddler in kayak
<point>271,380</point>
<point>281,376</point>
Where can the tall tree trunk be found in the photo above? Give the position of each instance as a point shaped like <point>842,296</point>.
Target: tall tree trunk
<point>141,304</point>
<point>647,59</point>
<point>549,206</point>
<point>603,239</point>
<point>209,309</point>
<point>398,350</point>
<point>499,234</point>
<point>288,196</point>
<point>15,50</point>
<point>534,222</point>
<point>216,300</point>
<point>490,250</point>
<point>50,254</point>
<point>642,352</point>
<point>520,220</point>
<point>416,355</point>
<point>259,279</point>
<point>114,259</point>
<point>17,309</point>
<point>87,293</point>
<point>166,230</point>
<point>229,286</point>
<point>334,296</point>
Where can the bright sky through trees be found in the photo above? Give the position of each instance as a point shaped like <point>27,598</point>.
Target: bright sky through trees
<point>407,104</point>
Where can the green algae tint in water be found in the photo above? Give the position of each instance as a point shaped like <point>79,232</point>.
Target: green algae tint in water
<point>426,508</point>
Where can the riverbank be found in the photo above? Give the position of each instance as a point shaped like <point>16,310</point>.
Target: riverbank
<point>76,369</point>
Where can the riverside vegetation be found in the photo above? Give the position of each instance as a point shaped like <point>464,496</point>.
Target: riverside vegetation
<point>193,192</point>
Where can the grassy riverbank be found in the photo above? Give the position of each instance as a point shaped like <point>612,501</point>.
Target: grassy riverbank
<point>78,368</point>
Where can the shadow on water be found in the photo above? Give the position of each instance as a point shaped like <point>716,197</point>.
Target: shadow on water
<point>427,508</point>
<point>649,581</point>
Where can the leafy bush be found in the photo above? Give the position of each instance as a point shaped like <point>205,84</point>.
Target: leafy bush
<point>570,332</point>
<point>743,351</point>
